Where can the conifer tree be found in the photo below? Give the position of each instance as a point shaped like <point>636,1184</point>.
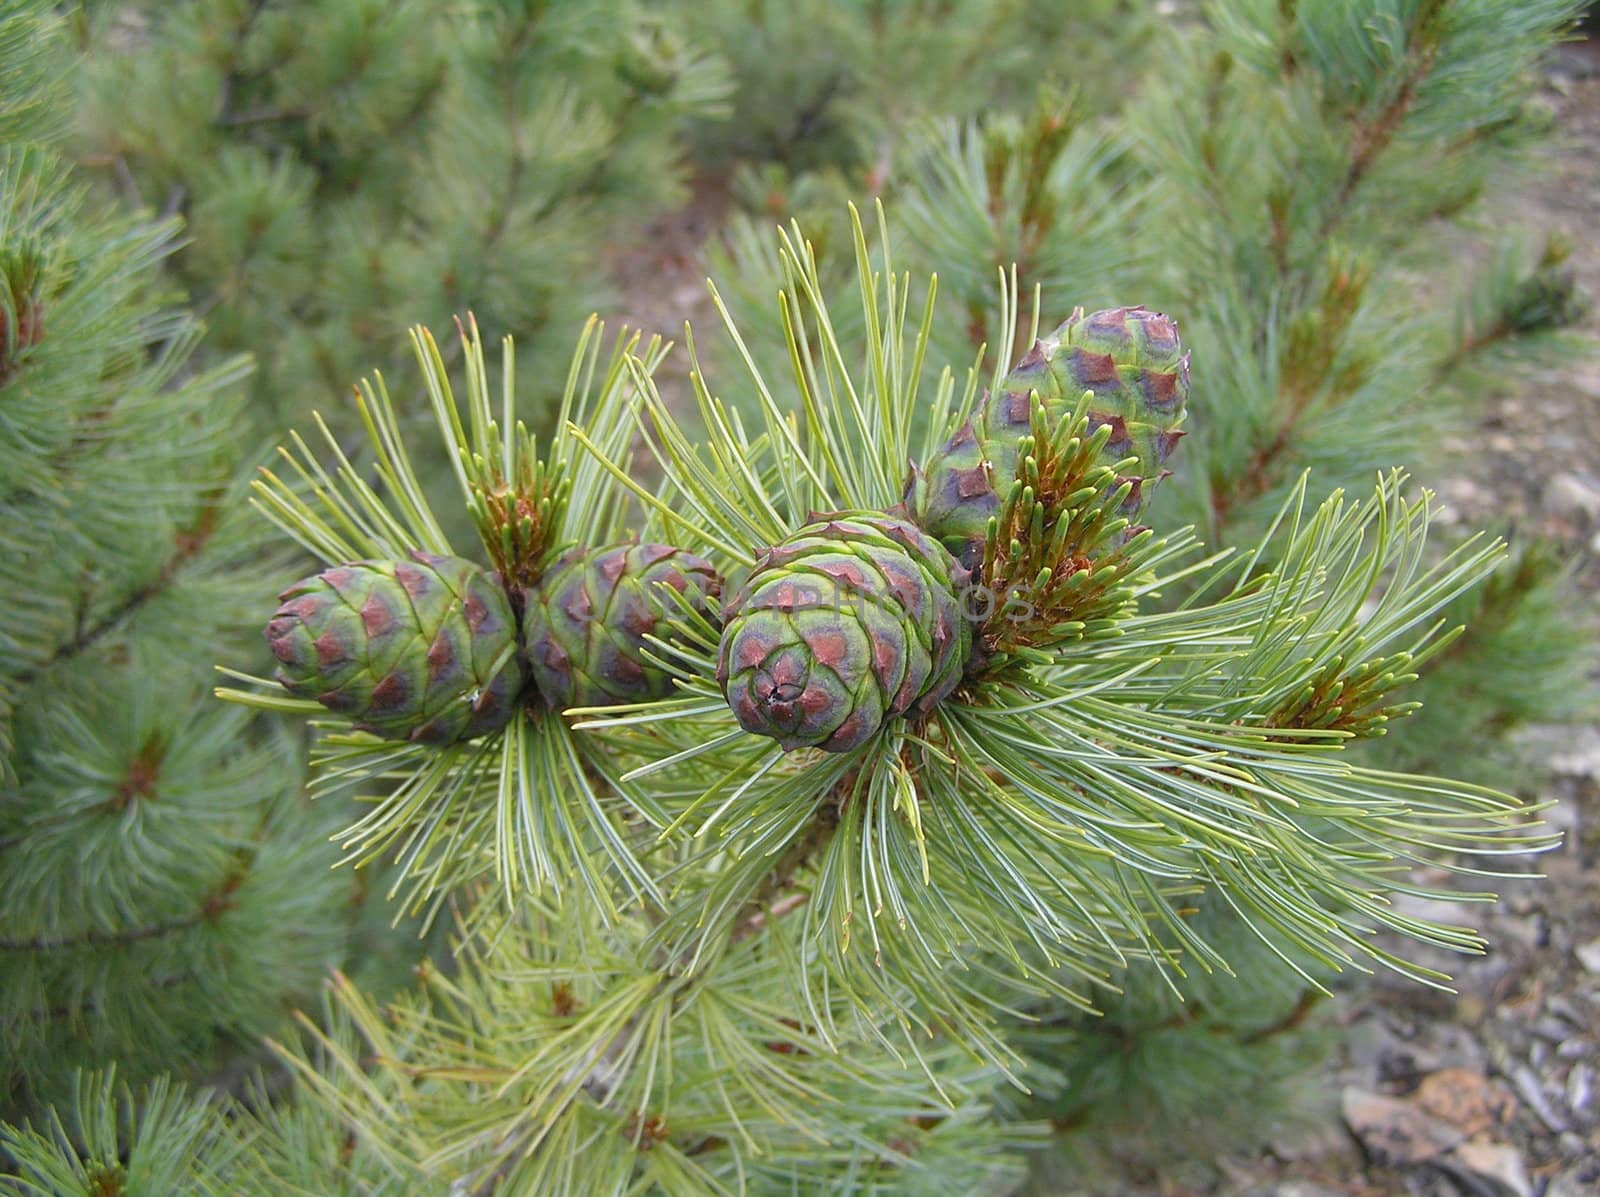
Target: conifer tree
<point>349,166</point>
<point>819,84</point>
<point>1288,182</point>
<point>166,885</point>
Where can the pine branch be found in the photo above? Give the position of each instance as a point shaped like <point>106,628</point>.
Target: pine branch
<point>119,938</point>
<point>601,1080</point>
<point>234,76</point>
<point>86,636</point>
<point>1289,1022</point>
<point>761,907</point>
<point>1260,473</point>
<point>264,115</point>
<point>212,906</point>
<point>1373,136</point>
<point>92,1010</point>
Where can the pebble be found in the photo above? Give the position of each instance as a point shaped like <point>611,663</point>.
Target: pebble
<point>1580,1087</point>
<point>1455,1046</point>
<point>1491,1167</point>
<point>1433,909</point>
<point>1369,1044</point>
<point>1568,1184</point>
<point>1589,955</point>
<point>1460,498</point>
<point>1553,1029</point>
<point>1581,756</point>
<point>1394,1131</point>
<point>1467,1100</point>
<point>1317,1138</point>
<point>1526,1083</point>
<point>1572,494</point>
<point>1563,818</point>
<point>1580,1178</point>
<point>1573,1145</point>
<point>1573,58</point>
<point>1560,1006</point>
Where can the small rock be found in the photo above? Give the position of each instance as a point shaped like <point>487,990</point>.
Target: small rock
<point>1562,818</point>
<point>1573,1145</point>
<point>1560,1006</point>
<point>1490,1168</point>
<point>1575,1049</point>
<point>1467,1100</point>
<point>1588,955</point>
<point>1315,1138</point>
<point>1580,755</point>
<point>1553,1029</point>
<point>1453,1046</point>
<point>1572,495</point>
<point>1392,1131</point>
<point>1573,60</point>
<point>1398,1071</point>
<point>1580,1087</point>
<point>1578,1180</point>
<point>1433,909</point>
<point>1461,497</point>
<point>1367,1043</point>
<point>1528,1087</point>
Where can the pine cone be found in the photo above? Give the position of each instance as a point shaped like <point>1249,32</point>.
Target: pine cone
<point>421,650</point>
<point>1138,370</point>
<point>854,619</point>
<point>587,618</point>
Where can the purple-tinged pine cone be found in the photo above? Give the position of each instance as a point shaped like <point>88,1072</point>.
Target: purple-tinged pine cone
<point>587,619</point>
<point>422,650</point>
<point>1135,364</point>
<point>853,620</point>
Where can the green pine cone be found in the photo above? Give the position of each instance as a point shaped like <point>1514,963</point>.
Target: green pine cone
<point>854,619</point>
<point>587,619</point>
<point>1138,370</point>
<point>422,650</point>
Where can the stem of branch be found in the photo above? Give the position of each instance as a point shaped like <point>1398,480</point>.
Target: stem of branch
<point>761,905</point>
<point>86,635</point>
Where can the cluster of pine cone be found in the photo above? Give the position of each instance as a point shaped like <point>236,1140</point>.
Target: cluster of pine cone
<point>432,649</point>
<point>852,620</point>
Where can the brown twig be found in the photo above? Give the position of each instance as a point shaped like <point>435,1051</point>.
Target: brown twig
<point>1373,137</point>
